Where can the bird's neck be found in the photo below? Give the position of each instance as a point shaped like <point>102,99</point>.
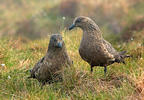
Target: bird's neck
<point>92,30</point>
<point>55,50</point>
<point>92,34</point>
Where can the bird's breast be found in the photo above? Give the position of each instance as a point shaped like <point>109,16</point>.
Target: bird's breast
<point>90,50</point>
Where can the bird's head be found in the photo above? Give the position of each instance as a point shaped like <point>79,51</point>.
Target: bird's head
<point>82,22</point>
<point>56,41</point>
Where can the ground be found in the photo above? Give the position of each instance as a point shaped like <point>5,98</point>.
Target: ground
<point>123,81</point>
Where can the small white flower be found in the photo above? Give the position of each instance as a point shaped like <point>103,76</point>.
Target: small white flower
<point>2,65</point>
<point>63,18</point>
<point>9,77</point>
<point>132,39</point>
<point>119,46</point>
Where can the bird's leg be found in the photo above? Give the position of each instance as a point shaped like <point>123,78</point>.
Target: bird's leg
<point>42,84</point>
<point>123,62</point>
<point>91,68</point>
<point>105,70</point>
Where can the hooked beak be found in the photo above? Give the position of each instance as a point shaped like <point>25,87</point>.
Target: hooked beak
<point>59,45</point>
<point>72,26</point>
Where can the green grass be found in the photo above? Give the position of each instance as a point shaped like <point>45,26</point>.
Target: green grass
<point>79,83</point>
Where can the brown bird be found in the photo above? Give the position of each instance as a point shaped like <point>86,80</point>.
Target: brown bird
<point>49,68</point>
<point>93,48</point>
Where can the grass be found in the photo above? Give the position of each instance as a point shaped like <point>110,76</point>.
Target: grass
<point>79,84</point>
<point>123,82</point>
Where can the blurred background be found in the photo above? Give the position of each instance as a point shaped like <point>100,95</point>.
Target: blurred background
<point>34,19</point>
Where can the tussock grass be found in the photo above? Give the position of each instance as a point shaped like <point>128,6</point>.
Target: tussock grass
<point>122,82</point>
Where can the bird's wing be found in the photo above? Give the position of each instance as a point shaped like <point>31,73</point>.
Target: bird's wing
<point>69,62</point>
<point>106,49</point>
<point>119,56</point>
<point>109,47</point>
<point>36,67</point>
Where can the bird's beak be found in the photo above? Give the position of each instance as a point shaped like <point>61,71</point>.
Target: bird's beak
<point>72,26</point>
<point>59,44</point>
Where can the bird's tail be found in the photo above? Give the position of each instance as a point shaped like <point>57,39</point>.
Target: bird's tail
<point>122,56</point>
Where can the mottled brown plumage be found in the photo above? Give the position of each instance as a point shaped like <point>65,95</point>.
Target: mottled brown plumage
<point>93,48</point>
<point>49,68</point>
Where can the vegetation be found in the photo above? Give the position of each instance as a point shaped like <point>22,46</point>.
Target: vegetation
<point>25,27</point>
<point>122,81</point>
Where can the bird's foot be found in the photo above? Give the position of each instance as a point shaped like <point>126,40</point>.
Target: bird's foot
<point>105,71</point>
<point>91,69</point>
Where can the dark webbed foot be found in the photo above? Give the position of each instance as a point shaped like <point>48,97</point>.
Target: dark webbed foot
<point>105,70</point>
